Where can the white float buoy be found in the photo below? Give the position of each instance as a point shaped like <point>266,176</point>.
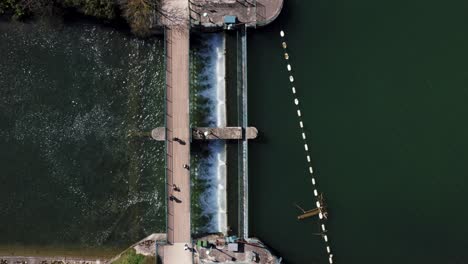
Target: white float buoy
<point>317,204</point>
<point>315,192</point>
<point>320,215</point>
<point>293,90</point>
<point>301,124</point>
<point>284,45</point>
<point>308,158</point>
<point>323,227</point>
<point>291,78</point>
<point>286,56</point>
<point>298,112</point>
<point>313,181</point>
<point>311,170</point>
<point>306,147</point>
<point>303,136</point>
<point>282,33</point>
<point>289,67</point>
<point>325,238</point>
<point>296,101</point>
<point>330,260</point>
<point>328,250</point>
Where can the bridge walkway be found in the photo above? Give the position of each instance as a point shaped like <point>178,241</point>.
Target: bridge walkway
<point>177,36</point>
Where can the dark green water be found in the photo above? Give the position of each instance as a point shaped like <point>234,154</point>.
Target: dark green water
<point>383,87</point>
<point>78,169</point>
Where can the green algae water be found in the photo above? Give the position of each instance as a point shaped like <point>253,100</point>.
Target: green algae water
<point>383,87</point>
<point>78,168</point>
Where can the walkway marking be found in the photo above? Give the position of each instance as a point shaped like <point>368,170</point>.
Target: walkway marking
<point>304,137</point>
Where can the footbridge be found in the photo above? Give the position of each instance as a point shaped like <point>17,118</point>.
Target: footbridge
<point>177,17</point>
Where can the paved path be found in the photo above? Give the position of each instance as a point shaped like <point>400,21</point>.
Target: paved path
<point>177,116</point>
<point>268,10</point>
<point>177,125</point>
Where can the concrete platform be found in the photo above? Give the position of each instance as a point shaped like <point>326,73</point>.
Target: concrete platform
<point>227,133</point>
<point>253,13</point>
<point>175,254</point>
<point>211,133</point>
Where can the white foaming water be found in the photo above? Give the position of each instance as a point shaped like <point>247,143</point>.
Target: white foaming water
<point>213,200</point>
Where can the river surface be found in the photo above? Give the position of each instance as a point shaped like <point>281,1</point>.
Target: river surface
<point>78,168</point>
<point>383,88</point>
<point>80,174</point>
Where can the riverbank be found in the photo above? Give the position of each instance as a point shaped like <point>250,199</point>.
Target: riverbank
<point>59,251</point>
<point>51,260</point>
<point>138,16</point>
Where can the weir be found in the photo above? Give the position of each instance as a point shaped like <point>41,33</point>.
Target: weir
<point>178,17</point>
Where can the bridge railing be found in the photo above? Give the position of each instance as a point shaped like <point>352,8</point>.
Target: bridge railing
<point>168,125</point>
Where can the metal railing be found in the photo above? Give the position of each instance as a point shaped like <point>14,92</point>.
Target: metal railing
<point>168,125</point>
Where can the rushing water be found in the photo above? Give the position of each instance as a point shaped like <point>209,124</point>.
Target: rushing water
<point>383,90</point>
<point>208,108</point>
<point>78,168</point>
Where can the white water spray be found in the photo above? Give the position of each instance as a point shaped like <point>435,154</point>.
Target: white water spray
<point>213,200</point>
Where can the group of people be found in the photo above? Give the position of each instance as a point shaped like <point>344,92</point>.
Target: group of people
<point>191,249</point>
<point>186,166</point>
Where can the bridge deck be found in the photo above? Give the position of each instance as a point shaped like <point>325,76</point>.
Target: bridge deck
<point>178,155</point>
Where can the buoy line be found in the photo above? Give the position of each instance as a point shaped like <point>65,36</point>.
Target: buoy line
<point>304,138</point>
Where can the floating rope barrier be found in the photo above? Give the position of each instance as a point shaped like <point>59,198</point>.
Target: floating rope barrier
<point>306,147</point>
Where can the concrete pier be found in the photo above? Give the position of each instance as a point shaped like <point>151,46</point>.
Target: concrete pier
<point>253,13</point>
<point>211,133</point>
<point>227,133</point>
